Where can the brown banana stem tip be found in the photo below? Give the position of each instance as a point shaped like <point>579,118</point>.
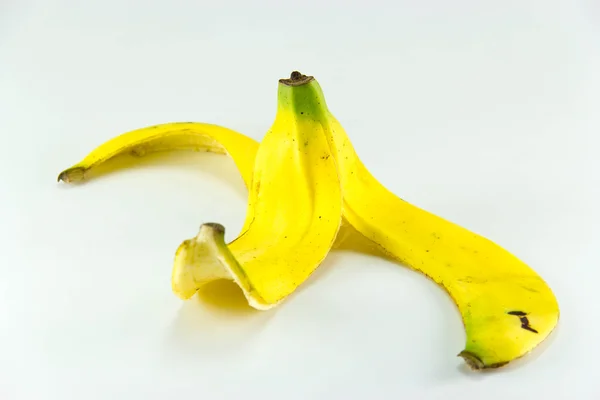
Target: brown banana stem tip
<point>72,175</point>
<point>296,79</point>
<point>475,363</point>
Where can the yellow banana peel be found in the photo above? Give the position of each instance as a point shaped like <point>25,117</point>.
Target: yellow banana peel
<point>308,191</point>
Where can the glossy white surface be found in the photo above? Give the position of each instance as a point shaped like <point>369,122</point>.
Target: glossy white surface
<point>486,113</point>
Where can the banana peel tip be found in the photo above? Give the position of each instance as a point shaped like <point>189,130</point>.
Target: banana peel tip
<point>475,363</point>
<point>215,227</point>
<point>69,175</point>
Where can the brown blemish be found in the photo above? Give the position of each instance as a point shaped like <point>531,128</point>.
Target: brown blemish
<point>138,151</point>
<point>524,321</point>
<point>525,325</point>
<point>530,289</point>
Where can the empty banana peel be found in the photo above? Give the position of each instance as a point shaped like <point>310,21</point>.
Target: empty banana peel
<point>295,202</point>
<point>306,184</point>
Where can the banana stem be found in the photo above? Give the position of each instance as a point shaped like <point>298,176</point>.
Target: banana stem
<point>296,79</point>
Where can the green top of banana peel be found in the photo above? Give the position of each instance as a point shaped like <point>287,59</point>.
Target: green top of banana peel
<point>302,96</point>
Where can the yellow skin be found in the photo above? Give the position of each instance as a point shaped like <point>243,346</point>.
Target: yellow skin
<point>298,174</point>
<point>294,214</point>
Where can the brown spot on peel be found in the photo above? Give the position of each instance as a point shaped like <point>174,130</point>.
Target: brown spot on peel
<point>524,320</point>
<point>517,313</point>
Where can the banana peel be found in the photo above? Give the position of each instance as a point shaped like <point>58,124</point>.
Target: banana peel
<point>308,192</point>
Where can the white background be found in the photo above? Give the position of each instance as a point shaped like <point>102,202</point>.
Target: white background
<point>484,112</point>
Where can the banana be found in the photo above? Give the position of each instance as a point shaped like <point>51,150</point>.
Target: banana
<point>191,136</point>
<point>199,137</point>
<point>506,307</point>
<point>167,137</point>
<point>294,207</point>
<point>296,202</point>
